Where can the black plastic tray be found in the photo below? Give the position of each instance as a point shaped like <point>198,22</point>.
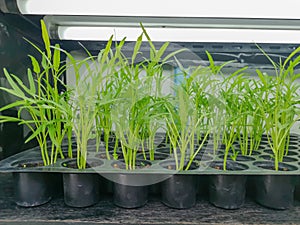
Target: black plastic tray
<point>255,166</point>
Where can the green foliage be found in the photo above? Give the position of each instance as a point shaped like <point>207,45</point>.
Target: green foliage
<point>116,94</point>
<point>42,99</point>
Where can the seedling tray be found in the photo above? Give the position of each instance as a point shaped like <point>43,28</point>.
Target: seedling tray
<point>254,165</point>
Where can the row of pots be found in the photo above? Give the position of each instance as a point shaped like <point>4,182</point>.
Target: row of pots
<point>177,191</point>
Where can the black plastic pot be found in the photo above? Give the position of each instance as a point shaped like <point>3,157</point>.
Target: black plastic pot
<point>31,189</point>
<point>81,190</point>
<point>130,190</point>
<point>179,191</point>
<point>275,191</point>
<point>227,191</point>
<point>297,189</point>
<point>129,197</point>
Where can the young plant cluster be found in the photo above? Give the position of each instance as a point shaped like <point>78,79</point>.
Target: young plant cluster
<point>120,103</point>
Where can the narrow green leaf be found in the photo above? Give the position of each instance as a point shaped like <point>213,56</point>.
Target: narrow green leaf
<point>39,130</point>
<point>13,105</point>
<point>136,48</point>
<point>4,119</point>
<point>148,38</point>
<point>13,84</point>
<point>31,82</point>
<point>172,54</point>
<point>211,61</point>
<point>106,50</point>
<point>35,64</point>
<point>56,57</point>
<point>22,85</point>
<point>45,63</point>
<point>12,92</point>
<point>161,51</point>
<point>46,38</point>
<point>296,51</point>
<point>261,77</point>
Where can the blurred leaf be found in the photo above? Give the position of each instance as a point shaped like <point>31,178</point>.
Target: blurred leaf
<point>56,57</point>
<point>35,64</point>
<point>46,38</point>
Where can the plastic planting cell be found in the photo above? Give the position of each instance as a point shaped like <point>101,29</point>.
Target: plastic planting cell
<point>259,162</point>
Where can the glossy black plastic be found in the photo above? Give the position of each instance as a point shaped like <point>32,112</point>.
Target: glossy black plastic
<point>275,191</point>
<point>129,197</point>
<point>81,190</point>
<point>227,191</point>
<point>179,191</point>
<point>31,189</point>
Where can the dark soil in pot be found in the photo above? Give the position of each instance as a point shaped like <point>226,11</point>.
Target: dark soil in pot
<point>180,190</point>
<point>162,145</point>
<point>139,164</point>
<point>31,188</point>
<point>70,155</point>
<point>290,152</point>
<point>111,137</point>
<point>157,156</point>
<point>275,191</point>
<point>158,140</point>
<point>103,155</point>
<point>256,153</point>
<point>209,150</point>
<point>271,158</point>
<point>113,145</point>
<point>203,157</point>
<point>112,154</point>
<point>130,190</point>
<point>81,189</point>
<point>238,158</point>
<point>166,140</point>
<point>165,150</point>
<point>227,191</point>
<point>262,145</point>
